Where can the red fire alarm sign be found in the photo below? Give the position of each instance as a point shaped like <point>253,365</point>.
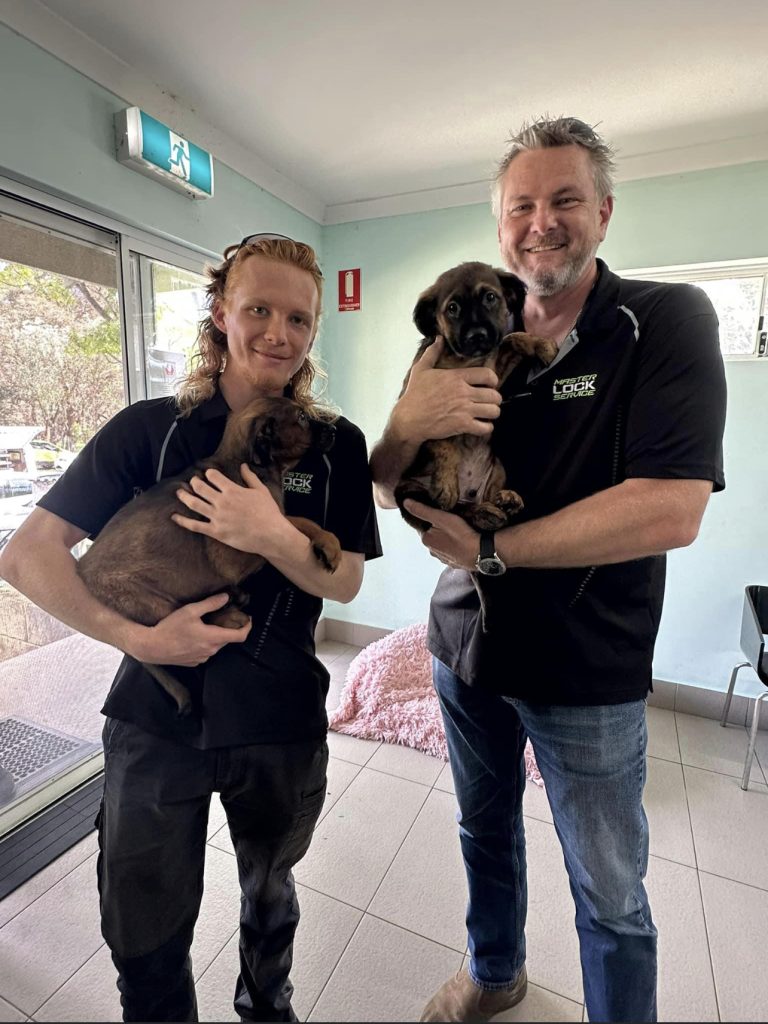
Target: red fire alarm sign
<point>349,290</point>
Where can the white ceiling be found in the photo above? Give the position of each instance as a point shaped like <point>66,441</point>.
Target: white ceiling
<point>349,108</point>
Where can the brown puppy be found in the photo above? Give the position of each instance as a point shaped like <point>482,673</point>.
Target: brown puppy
<point>470,306</point>
<point>145,566</point>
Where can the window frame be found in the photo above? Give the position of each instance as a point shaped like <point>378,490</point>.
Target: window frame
<point>54,213</point>
<point>718,270</point>
<point>135,287</point>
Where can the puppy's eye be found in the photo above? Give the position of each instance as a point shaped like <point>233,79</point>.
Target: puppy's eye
<point>303,419</point>
<point>453,309</point>
<point>490,298</point>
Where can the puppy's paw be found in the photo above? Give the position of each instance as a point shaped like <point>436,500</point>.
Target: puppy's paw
<point>532,345</point>
<point>545,350</point>
<point>327,551</point>
<point>229,617</point>
<point>414,490</point>
<point>487,516</point>
<point>509,501</point>
<point>445,496</point>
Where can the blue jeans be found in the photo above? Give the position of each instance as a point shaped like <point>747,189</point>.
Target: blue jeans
<point>592,760</point>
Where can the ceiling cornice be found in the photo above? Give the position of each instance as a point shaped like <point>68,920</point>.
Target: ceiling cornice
<point>41,26</point>
<point>44,28</point>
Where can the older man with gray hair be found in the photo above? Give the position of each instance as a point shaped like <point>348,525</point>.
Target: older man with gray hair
<point>615,448</point>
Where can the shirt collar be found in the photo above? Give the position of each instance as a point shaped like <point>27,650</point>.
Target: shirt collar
<point>601,308</point>
<point>212,408</point>
<point>216,406</point>
<point>598,313</point>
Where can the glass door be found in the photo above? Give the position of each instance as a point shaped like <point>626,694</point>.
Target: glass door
<point>91,317</point>
<point>164,303</point>
<point>61,377</point>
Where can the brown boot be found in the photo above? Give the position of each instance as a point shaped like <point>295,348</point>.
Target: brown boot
<point>460,999</point>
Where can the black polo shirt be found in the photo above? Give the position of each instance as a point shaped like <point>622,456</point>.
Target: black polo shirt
<point>637,390</point>
<point>272,688</point>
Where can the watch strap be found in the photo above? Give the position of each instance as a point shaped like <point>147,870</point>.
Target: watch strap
<point>487,543</point>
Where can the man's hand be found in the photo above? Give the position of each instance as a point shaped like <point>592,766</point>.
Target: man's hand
<point>182,638</point>
<point>435,404</point>
<point>247,518</point>
<point>449,538</point>
<point>443,403</point>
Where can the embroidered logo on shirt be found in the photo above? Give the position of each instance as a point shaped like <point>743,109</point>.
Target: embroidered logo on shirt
<point>298,483</point>
<point>574,387</point>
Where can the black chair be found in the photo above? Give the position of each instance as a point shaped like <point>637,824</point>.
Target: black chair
<point>754,626</point>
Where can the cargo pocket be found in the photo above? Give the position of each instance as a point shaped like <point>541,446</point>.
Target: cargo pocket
<point>110,735</point>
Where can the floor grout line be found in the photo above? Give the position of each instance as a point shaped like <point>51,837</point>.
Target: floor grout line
<point>402,843</point>
<point>94,853</point>
<point>698,884</point>
<point>709,945</point>
<point>338,961</point>
<point>14,1006</point>
<point>418,935</point>
<point>199,978</point>
<point>734,881</point>
<point>67,980</point>
<point>726,775</point>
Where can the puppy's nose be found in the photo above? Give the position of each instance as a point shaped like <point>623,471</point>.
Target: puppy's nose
<point>476,336</point>
<point>478,341</point>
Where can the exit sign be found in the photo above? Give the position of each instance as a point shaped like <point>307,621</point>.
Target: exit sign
<point>152,148</point>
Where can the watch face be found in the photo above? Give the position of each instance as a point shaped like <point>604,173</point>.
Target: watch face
<point>492,566</point>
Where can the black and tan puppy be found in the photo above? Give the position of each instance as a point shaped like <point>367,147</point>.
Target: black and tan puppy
<point>145,566</point>
<point>470,306</point>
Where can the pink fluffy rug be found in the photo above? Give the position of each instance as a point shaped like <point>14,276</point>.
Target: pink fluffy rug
<point>388,695</point>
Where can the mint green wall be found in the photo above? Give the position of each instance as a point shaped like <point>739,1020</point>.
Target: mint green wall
<point>690,218</point>
<point>368,354</point>
<point>57,136</point>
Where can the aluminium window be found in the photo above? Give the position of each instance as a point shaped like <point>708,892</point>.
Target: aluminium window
<point>738,289</point>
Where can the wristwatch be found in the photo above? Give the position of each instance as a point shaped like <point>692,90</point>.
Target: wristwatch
<point>488,562</point>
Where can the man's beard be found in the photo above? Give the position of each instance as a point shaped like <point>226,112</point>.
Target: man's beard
<point>543,282</point>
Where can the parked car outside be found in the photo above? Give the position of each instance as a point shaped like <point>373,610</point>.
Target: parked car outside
<point>49,455</point>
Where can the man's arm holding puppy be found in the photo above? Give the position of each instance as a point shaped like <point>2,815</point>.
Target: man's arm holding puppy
<point>249,519</point>
<point>636,518</point>
<point>435,404</point>
<point>38,561</point>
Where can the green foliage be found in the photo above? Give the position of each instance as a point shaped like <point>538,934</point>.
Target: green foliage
<point>103,339</point>
<point>51,287</point>
<point>60,358</point>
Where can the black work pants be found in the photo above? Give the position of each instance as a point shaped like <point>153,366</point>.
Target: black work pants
<point>152,832</point>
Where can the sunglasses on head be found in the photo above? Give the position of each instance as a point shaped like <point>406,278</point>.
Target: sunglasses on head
<point>265,236</point>
<point>268,236</point>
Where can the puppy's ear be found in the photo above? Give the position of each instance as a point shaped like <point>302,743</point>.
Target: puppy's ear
<point>514,292</point>
<point>425,313</point>
<point>263,441</point>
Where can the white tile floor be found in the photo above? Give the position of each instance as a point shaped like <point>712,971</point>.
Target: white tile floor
<point>382,892</point>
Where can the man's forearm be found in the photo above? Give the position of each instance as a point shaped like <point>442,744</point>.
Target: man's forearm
<point>292,555</point>
<point>632,520</point>
<point>50,580</point>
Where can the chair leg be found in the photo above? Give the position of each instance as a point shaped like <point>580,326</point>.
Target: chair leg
<point>752,740</point>
<point>729,695</point>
